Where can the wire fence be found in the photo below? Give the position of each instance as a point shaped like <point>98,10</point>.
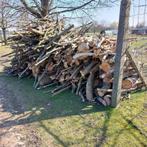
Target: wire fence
<point>138,13</point>
<point>138,34</point>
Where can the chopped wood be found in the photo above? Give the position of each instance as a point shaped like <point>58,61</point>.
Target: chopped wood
<point>64,56</point>
<point>89,87</point>
<point>129,83</point>
<point>79,55</point>
<point>87,69</point>
<point>61,90</point>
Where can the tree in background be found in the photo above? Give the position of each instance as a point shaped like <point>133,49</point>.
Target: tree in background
<point>7,17</point>
<point>140,25</point>
<point>42,8</point>
<point>38,8</point>
<point>113,25</point>
<point>23,20</point>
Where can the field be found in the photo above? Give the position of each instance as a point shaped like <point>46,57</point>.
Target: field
<point>63,120</point>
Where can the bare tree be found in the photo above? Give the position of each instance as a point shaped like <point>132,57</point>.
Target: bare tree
<point>7,17</point>
<point>38,8</point>
<point>42,8</point>
<point>113,25</point>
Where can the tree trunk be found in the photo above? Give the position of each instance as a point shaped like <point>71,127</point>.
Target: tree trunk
<point>4,35</point>
<point>45,7</point>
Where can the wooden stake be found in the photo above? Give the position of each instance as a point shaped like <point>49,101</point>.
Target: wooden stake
<point>120,50</point>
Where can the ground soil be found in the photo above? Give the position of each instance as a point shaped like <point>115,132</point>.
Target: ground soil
<point>12,133</point>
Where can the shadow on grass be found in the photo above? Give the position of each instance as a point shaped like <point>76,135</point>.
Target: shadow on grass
<point>39,106</point>
<point>130,127</point>
<point>56,137</point>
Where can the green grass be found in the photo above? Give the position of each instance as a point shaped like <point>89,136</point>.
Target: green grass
<point>140,46</point>
<point>139,43</point>
<point>63,120</point>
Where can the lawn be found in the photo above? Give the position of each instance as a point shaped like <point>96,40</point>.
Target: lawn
<point>65,121</point>
<point>140,45</point>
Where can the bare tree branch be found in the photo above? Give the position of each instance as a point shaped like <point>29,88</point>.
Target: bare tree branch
<point>30,9</point>
<point>37,5</point>
<point>73,8</point>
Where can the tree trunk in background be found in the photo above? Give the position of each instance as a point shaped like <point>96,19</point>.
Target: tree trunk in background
<point>45,7</point>
<point>41,9</point>
<point>4,35</point>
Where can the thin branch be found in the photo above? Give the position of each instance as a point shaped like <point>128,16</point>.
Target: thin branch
<point>73,8</point>
<point>30,9</point>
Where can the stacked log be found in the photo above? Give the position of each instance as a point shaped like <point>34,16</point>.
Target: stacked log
<point>57,55</point>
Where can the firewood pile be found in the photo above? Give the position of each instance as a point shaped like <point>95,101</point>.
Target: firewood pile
<point>63,56</point>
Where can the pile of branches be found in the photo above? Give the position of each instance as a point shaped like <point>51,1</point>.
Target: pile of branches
<point>63,56</point>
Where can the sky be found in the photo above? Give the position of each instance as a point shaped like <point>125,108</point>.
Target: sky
<point>105,15</point>
<point>108,15</point>
<point>111,14</point>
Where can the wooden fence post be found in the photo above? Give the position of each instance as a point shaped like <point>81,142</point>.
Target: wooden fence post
<point>120,50</point>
